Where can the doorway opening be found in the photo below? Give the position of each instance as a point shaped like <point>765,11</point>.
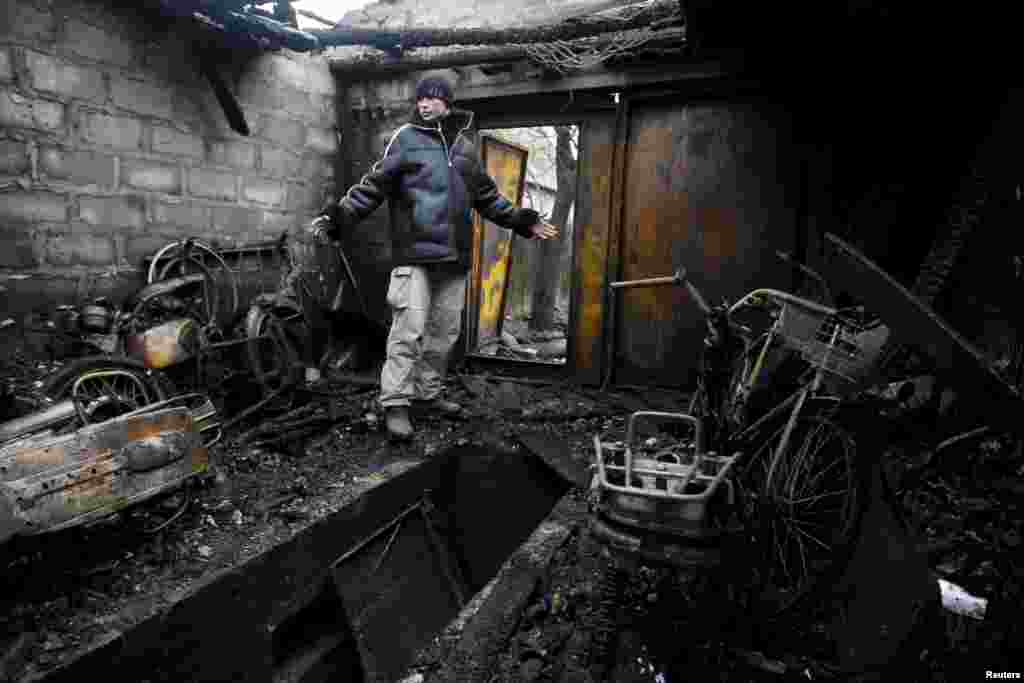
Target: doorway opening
<point>520,293</point>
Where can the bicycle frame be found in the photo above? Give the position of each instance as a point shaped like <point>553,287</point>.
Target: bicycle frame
<point>724,449</point>
<point>798,398</point>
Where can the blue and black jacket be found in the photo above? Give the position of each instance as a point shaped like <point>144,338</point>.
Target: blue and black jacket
<point>432,176</point>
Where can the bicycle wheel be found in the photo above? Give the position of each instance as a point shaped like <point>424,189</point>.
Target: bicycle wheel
<point>184,258</point>
<point>104,388</point>
<point>805,511</point>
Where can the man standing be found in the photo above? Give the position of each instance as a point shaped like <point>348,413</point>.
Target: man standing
<point>432,176</point>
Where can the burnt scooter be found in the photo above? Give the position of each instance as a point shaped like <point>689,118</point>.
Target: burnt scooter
<point>111,429</point>
<point>108,430</point>
<point>177,334</point>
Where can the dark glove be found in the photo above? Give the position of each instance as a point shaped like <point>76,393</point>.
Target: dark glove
<point>524,220</point>
<point>528,218</point>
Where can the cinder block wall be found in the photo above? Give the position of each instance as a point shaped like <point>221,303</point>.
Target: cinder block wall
<point>112,144</point>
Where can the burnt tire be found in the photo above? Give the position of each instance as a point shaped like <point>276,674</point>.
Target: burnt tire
<point>272,346</point>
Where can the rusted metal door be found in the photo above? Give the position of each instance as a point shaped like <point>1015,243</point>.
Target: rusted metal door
<point>709,186</point>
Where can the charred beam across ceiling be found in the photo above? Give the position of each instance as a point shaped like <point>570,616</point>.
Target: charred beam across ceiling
<point>379,63</point>
<point>651,15</point>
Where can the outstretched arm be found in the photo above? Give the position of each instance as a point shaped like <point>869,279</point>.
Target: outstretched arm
<point>497,209</point>
<point>366,196</point>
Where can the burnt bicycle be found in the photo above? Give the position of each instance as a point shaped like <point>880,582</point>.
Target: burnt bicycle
<point>779,480</point>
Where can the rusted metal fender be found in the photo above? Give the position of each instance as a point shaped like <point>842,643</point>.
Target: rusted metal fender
<point>55,482</point>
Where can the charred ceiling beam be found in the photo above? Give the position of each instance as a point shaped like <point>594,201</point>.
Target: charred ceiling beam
<point>231,24</point>
<point>381,64</point>
<point>235,27</point>
<point>227,100</point>
<point>654,15</point>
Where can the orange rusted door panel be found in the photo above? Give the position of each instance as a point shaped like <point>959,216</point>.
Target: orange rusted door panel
<point>594,207</point>
<point>709,186</point>
<point>492,245</point>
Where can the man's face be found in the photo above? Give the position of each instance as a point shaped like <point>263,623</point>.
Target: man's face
<point>431,108</point>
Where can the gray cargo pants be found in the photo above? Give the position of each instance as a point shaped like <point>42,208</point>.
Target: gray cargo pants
<point>426,307</point>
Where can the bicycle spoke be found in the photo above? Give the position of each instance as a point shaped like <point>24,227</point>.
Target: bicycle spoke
<point>821,473</point>
<point>809,498</point>
<point>815,498</point>
<point>803,561</point>
<point>802,457</point>
<point>780,553</point>
<point>824,546</point>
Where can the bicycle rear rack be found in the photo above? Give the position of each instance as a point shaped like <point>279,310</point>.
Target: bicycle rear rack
<point>656,504</point>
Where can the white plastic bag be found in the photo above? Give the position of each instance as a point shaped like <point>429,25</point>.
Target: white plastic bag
<point>959,601</point>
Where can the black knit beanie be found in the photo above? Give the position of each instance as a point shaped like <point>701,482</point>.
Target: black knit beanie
<point>435,86</point>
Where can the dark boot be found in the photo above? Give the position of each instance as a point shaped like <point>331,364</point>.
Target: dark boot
<point>438,405</point>
<point>396,419</point>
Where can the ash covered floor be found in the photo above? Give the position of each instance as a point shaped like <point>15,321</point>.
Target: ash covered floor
<point>62,594</point>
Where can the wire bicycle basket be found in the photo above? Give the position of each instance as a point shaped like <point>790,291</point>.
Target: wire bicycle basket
<point>824,341</point>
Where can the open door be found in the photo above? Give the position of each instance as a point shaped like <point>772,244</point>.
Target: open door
<point>492,245</point>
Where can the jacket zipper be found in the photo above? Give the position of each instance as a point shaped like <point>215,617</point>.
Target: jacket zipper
<point>451,210</point>
<point>444,145</point>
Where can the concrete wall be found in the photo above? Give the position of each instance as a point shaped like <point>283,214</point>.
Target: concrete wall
<point>112,144</point>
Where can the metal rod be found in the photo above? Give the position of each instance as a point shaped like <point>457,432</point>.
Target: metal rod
<point>679,277</point>
<point>352,279</point>
<point>377,534</point>
<point>442,554</point>
<point>980,431</point>
<point>387,548</point>
<point>647,282</point>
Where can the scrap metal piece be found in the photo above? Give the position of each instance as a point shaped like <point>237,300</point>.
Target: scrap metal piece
<point>913,321</point>
<point>69,480</point>
<point>53,415</point>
